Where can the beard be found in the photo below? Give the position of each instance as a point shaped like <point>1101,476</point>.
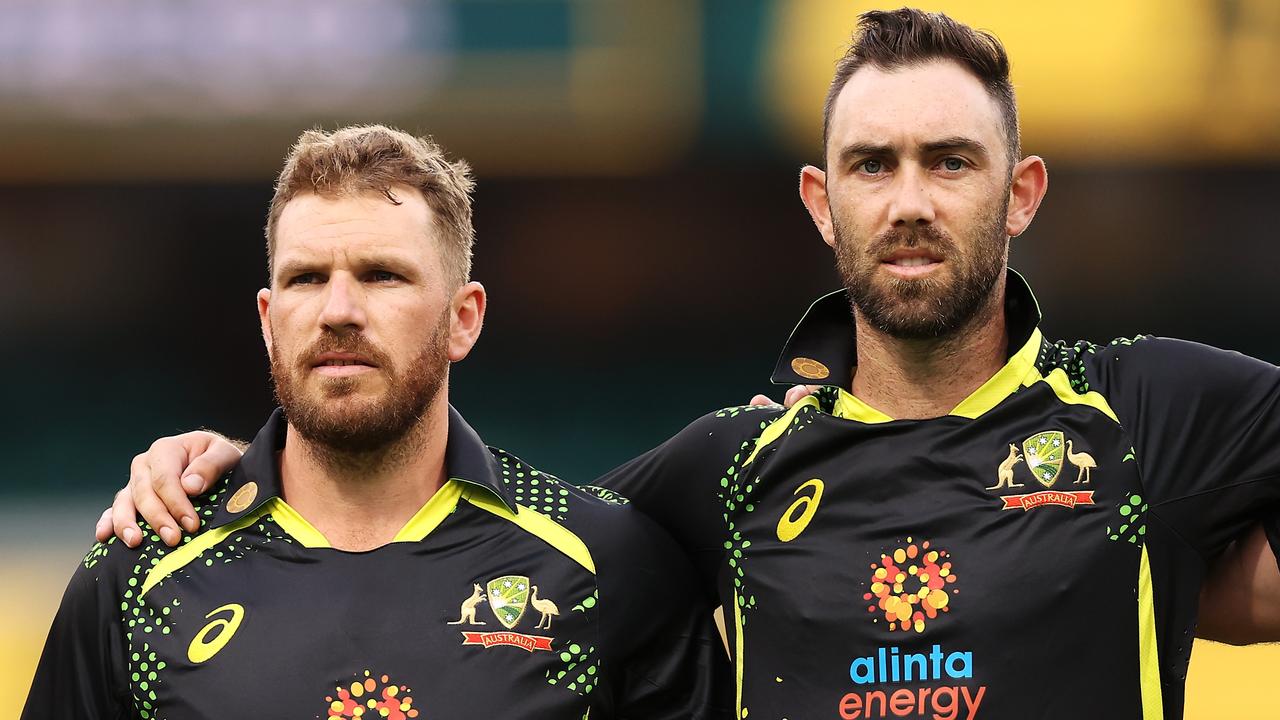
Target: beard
<point>930,307</point>
<point>336,420</point>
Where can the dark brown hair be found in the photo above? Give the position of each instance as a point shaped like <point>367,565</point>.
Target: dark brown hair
<point>893,39</point>
<point>364,158</point>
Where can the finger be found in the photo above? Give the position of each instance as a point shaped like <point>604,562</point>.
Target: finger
<point>794,395</point>
<point>123,519</point>
<point>165,469</point>
<point>154,511</point>
<point>210,465</point>
<point>102,531</point>
<point>762,400</point>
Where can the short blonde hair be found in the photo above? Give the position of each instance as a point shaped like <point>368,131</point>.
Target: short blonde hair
<point>363,158</point>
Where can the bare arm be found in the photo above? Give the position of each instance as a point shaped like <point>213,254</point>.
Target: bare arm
<point>1240,600</point>
<point>160,481</point>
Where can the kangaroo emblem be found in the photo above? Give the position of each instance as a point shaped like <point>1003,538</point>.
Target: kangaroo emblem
<point>1083,461</point>
<point>1006,470</point>
<point>468,611</point>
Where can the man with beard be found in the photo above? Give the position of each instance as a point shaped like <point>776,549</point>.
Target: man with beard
<point>369,556</point>
<point>967,520</point>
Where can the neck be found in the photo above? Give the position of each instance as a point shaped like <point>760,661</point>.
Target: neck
<point>359,501</point>
<point>921,379</point>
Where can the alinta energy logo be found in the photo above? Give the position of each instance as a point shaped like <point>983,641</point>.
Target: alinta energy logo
<point>909,586</point>
<point>910,589</point>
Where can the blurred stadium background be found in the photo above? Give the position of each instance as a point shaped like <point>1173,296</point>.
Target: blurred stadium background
<point>639,230</point>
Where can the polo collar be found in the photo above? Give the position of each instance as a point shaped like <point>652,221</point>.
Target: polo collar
<point>822,350</point>
<point>256,479</point>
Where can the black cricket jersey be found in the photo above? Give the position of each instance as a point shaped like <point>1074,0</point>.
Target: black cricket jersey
<point>1036,553</point>
<point>509,594</point>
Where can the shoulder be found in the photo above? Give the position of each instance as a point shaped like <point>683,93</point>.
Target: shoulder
<point>740,422</point>
<point>113,568</point>
<point>113,560</point>
<point>1146,362</point>
<point>603,520</point>
<point>719,436</point>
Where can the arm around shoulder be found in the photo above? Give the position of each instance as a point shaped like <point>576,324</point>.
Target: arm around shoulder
<point>663,656</point>
<point>681,483</point>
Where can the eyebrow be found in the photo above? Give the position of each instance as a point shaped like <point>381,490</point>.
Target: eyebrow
<point>294,267</point>
<point>297,266</point>
<point>955,142</point>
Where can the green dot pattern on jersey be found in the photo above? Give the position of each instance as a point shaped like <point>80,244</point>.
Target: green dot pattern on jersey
<point>1132,522</point>
<point>1070,358</point>
<point>604,494</point>
<point>97,552</point>
<point>736,490</point>
<point>144,619</point>
<point>740,409</point>
<point>588,602</point>
<point>533,489</point>
<point>577,669</point>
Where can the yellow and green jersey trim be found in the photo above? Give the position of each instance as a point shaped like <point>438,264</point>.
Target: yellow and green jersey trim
<point>1019,372</point>
<point>442,503</point>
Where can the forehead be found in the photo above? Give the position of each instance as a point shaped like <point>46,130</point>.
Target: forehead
<point>312,224</point>
<point>911,105</point>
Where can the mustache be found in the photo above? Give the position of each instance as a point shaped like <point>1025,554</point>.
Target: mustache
<point>922,236</point>
<point>351,343</point>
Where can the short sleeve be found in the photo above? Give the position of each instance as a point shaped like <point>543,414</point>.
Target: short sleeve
<point>1205,426</point>
<point>82,671</point>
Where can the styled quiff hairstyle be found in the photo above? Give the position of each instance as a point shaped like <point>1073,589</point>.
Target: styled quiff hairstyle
<point>373,158</point>
<point>893,39</point>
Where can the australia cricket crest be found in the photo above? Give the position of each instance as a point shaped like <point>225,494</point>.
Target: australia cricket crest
<point>1043,452</point>
<point>508,597</point>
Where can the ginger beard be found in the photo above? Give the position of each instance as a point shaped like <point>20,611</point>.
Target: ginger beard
<point>934,306</point>
<point>332,416</point>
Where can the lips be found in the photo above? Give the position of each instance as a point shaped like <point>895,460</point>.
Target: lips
<point>911,257</point>
<point>911,262</point>
<point>341,359</point>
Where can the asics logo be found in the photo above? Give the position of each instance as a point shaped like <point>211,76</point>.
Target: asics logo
<point>797,517</point>
<point>215,635</point>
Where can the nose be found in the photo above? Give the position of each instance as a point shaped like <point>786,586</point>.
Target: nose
<point>343,309</point>
<point>912,203</point>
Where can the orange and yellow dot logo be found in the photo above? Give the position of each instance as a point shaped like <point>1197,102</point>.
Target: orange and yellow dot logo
<point>910,586</point>
<point>372,698</point>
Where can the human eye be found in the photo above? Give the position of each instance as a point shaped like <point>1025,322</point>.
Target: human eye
<point>870,166</point>
<point>305,278</point>
<point>953,164</point>
<point>382,276</point>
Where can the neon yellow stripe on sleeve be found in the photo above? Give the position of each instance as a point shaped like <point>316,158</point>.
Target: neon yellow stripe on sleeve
<point>779,426</point>
<point>181,556</point>
<point>537,524</point>
<point>1061,384</point>
<point>1148,652</point>
<point>737,656</point>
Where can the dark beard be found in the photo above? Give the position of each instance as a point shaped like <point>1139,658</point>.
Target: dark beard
<point>925,308</point>
<point>339,427</point>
